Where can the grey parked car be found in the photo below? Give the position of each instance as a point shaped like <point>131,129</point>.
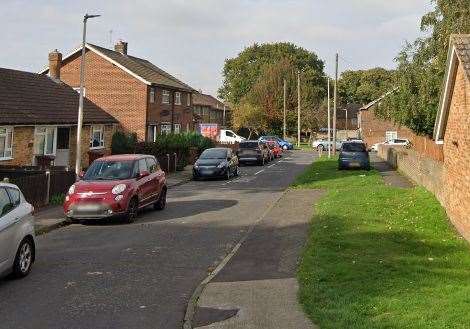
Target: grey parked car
<point>253,151</point>
<point>353,155</point>
<point>17,239</point>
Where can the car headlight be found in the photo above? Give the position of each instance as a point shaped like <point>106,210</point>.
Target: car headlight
<point>196,165</point>
<point>118,189</point>
<point>222,164</point>
<point>71,190</point>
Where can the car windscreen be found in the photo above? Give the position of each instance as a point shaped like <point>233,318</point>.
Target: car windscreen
<point>249,145</point>
<point>214,154</point>
<point>353,147</point>
<point>110,170</point>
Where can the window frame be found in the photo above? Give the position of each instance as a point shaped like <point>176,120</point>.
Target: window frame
<point>177,98</point>
<point>165,96</point>
<point>10,203</point>
<point>152,95</point>
<point>165,131</point>
<point>177,131</point>
<point>152,132</point>
<point>9,136</point>
<point>188,99</point>
<point>99,128</point>
<point>54,140</point>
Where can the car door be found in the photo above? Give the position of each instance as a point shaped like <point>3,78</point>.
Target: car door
<point>8,228</point>
<point>155,178</point>
<point>145,183</point>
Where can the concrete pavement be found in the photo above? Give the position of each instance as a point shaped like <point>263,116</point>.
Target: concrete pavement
<point>141,275</point>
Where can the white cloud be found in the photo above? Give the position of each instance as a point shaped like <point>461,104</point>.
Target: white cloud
<point>191,39</point>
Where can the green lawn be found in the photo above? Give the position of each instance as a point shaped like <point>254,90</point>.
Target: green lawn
<point>380,256</point>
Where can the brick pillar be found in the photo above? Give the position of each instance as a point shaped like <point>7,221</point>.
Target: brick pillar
<point>121,47</point>
<point>55,62</point>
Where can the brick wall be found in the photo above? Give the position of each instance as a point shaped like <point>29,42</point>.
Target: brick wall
<point>449,179</point>
<point>112,89</point>
<point>86,134</point>
<point>23,141</point>
<point>457,155</point>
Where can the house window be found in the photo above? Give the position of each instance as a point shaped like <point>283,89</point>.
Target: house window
<point>152,133</point>
<point>6,142</point>
<point>188,99</point>
<point>390,135</point>
<point>97,137</point>
<point>77,89</point>
<point>152,95</point>
<point>165,97</point>
<point>45,140</point>
<point>165,128</point>
<point>177,98</point>
<point>177,128</point>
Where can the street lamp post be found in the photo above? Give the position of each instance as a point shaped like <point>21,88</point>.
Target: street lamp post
<point>329,121</point>
<point>346,122</point>
<point>80,102</point>
<point>298,109</point>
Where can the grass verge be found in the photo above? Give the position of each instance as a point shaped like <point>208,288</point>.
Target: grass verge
<point>381,257</point>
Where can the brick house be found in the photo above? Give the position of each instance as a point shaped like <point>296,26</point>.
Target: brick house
<point>39,118</point>
<point>208,109</point>
<point>142,97</point>
<point>452,131</point>
<point>346,117</point>
<point>373,129</point>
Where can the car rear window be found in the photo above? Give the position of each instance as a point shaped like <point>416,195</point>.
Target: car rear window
<point>354,147</point>
<point>248,145</point>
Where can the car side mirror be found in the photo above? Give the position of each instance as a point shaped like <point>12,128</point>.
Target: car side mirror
<point>81,174</point>
<point>143,174</point>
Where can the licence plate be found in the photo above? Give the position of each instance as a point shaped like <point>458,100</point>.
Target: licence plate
<point>354,164</point>
<point>88,207</point>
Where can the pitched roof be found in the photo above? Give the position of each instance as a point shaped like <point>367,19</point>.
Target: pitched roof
<point>459,51</point>
<point>138,67</point>
<point>30,98</point>
<point>375,101</point>
<point>207,100</point>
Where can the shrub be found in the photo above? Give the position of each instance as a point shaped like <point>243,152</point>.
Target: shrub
<point>123,143</point>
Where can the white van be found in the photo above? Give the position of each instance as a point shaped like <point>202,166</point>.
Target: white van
<point>228,136</point>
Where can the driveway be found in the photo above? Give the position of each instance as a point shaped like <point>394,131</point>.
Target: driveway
<point>111,275</point>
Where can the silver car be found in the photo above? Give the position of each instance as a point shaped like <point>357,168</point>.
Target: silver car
<point>17,239</point>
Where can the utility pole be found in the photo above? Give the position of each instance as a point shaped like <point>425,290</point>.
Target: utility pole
<point>223,119</point>
<point>334,105</point>
<point>329,121</point>
<point>284,122</point>
<point>78,164</point>
<point>298,108</point>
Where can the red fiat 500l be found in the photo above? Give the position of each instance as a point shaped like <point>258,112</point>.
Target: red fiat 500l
<point>276,148</point>
<point>117,185</point>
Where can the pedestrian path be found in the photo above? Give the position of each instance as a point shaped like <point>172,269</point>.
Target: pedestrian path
<point>52,217</point>
<point>390,175</point>
<point>258,288</point>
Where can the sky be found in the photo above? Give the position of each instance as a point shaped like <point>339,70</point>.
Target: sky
<point>192,39</point>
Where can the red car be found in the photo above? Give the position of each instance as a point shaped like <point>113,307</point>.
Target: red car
<point>117,185</point>
<point>275,147</point>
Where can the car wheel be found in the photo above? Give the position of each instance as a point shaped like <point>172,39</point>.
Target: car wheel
<point>228,173</point>
<point>24,259</point>
<point>237,171</point>
<point>161,202</point>
<point>320,148</point>
<point>195,177</point>
<point>132,210</point>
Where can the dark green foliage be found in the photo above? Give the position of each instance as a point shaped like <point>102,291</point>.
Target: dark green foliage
<point>123,143</point>
<point>421,67</point>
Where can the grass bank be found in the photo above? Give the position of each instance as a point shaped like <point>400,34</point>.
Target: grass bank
<point>380,256</point>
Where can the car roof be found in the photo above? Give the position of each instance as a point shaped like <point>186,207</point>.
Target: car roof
<point>124,157</point>
<point>217,148</point>
<point>250,141</point>
<point>5,184</point>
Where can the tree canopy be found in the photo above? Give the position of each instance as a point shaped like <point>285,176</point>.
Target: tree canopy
<point>421,67</point>
<point>254,80</point>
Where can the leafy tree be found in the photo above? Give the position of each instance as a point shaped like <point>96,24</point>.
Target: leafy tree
<point>421,67</point>
<point>363,86</point>
<point>249,116</point>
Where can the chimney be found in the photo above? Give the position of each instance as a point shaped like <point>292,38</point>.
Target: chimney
<point>121,47</point>
<point>55,62</point>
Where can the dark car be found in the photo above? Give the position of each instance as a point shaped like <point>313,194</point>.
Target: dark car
<point>253,151</point>
<point>353,155</point>
<point>216,162</point>
<point>117,185</point>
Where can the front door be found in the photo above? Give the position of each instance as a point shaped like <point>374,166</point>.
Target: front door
<point>63,146</point>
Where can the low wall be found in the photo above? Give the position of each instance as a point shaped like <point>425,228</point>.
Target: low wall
<point>419,168</point>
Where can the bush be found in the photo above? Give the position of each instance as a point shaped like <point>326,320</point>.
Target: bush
<point>123,143</point>
<point>175,143</point>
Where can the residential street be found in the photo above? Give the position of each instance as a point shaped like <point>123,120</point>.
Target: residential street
<point>142,275</point>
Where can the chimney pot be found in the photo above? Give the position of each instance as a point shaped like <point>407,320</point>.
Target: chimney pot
<point>121,47</point>
<point>55,63</point>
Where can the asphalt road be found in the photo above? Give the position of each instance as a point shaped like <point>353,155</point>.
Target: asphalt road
<point>113,275</point>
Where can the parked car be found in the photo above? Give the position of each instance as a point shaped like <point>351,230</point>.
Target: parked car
<point>253,151</point>
<point>283,143</point>
<point>323,144</point>
<point>17,239</point>
<point>228,136</point>
<point>117,186</point>
<point>353,155</point>
<point>216,162</point>
<point>275,148</point>
<point>392,142</point>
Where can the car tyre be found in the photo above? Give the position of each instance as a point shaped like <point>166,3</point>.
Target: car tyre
<point>237,171</point>
<point>320,148</point>
<point>228,174</point>
<point>132,210</point>
<point>24,258</point>
<point>161,202</point>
